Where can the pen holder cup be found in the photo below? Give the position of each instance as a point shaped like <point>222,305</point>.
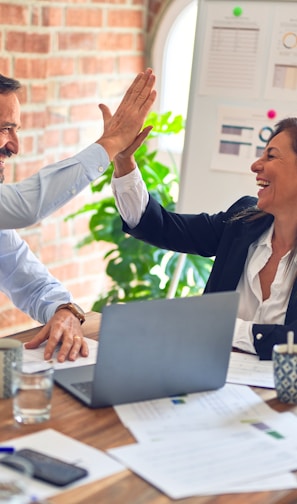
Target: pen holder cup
<point>11,352</point>
<point>285,373</point>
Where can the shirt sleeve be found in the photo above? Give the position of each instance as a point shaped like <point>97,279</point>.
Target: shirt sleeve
<point>31,200</point>
<point>243,336</point>
<point>26,281</point>
<point>131,196</point>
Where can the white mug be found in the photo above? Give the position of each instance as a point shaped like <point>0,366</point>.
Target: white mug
<point>11,350</point>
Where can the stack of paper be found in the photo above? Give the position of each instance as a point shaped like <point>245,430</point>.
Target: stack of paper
<point>214,442</point>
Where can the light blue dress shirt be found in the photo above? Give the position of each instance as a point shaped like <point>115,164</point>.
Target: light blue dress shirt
<point>23,278</point>
<point>27,202</point>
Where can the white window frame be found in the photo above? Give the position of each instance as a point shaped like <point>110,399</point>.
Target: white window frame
<point>159,47</point>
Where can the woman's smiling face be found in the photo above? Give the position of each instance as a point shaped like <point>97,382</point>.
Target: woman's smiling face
<point>276,173</point>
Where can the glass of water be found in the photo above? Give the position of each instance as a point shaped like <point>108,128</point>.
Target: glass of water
<point>32,387</point>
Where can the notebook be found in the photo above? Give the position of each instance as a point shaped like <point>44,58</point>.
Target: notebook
<point>158,348</point>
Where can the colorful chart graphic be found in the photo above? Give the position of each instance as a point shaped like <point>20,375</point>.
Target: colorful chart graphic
<point>289,40</point>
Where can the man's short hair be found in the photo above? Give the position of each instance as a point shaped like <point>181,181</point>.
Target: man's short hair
<point>8,85</point>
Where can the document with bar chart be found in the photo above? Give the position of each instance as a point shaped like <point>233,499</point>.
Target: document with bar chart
<point>281,81</point>
<point>241,136</point>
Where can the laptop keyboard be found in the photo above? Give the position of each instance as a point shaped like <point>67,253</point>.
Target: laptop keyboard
<point>84,387</point>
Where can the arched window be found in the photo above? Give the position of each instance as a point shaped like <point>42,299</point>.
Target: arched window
<point>172,53</point>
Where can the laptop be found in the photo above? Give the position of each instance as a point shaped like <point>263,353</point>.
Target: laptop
<point>158,348</point>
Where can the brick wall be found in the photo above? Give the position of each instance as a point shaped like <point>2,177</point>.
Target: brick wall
<point>69,55</point>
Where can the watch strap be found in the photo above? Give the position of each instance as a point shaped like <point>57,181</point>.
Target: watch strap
<point>75,309</point>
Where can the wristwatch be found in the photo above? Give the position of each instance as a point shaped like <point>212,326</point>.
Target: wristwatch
<point>75,309</point>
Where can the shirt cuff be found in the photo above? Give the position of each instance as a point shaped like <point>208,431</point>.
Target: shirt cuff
<point>94,159</point>
<point>243,336</point>
<point>126,182</point>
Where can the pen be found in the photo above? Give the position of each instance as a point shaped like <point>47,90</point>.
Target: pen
<point>290,341</point>
<point>6,449</point>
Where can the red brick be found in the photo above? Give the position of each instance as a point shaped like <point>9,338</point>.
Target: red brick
<point>94,247</point>
<point>65,271</point>
<point>33,68</point>
<point>26,144</point>
<point>52,16</point>
<point>65,228</point>
<point>84,111</point>
<point>70,136</point>
<point>39,93</point>
<point>33,119</point>
<point>84,17</point>
<point>131,63</point>
<point>115,41</point>
<point>56,253</point>
<point>80,227</point>
<point>125,18</point>
<point>49,231</point>
<point>14,14</point>
<point>92,65</point>
<point>85,287</point>
<point>23,94</point>
<point>60,66</point>
<point>80,41</point>
<point>52,138</point>
<point>35,16</point>
<point>77,89</point>
<point>27,42</point>
<point>5,66</point>
<point>118,2</point>
<point>140,43</point>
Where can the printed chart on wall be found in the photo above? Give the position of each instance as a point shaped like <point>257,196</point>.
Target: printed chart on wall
<point>281,81</point>
<point>241,137</point>
<point>244,80</point>
<point>233,49</point>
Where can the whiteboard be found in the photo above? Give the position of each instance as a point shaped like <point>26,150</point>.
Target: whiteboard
<point>244,79</point>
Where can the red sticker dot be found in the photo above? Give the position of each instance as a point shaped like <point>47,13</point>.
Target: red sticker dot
<point>271,114</point>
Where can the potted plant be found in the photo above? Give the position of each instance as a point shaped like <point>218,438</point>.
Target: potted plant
<point>137,270</point>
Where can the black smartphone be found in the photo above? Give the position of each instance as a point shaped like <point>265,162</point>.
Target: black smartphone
<point>46,468</point>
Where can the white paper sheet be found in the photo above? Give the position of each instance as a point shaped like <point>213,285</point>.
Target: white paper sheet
<point>249,370</point>
<point>233,49</point>
<point>230,405</point>
<point>55,444</point>
<point>36,355</point>
<point>210,462</point>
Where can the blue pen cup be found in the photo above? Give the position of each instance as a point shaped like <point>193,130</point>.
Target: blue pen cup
<point>11,352</point>
<point>285,373</point>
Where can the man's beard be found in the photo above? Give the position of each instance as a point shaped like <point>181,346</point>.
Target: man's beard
<point>7,153</point>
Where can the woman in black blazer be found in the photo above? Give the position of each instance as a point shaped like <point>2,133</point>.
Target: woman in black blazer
<point>253,242</point>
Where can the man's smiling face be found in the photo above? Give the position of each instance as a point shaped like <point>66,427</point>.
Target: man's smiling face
<point>9,126</point>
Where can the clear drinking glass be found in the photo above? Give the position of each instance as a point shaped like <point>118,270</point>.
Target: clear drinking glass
<point>32,387</point>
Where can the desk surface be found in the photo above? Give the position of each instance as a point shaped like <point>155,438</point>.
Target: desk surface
<point>102,429</point>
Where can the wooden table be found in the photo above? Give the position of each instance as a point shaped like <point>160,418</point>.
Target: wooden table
<point>102,429</point>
